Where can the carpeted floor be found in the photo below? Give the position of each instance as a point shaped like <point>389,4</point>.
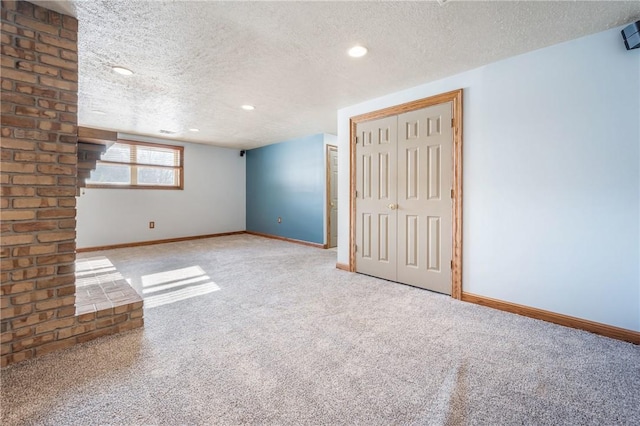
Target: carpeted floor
<point>247,330</point>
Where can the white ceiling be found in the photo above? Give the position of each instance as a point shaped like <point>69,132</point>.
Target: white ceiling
<point>196,63</point>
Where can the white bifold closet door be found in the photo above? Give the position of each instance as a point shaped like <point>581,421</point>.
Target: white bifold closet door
<point>403,198</point>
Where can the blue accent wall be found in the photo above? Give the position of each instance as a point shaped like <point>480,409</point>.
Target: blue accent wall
<point>287,180</point>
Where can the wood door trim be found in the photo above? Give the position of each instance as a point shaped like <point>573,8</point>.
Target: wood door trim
<point>455,97</point>
<point>328,149</point>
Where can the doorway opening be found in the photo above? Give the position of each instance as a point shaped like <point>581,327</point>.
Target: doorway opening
<point>332,196</point>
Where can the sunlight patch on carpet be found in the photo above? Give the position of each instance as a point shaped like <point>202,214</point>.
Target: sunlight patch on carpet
<point>179,284</point>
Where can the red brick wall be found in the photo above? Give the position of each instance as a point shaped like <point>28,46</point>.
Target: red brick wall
<point>38,175</point>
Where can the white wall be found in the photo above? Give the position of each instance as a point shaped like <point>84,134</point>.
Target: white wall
<point>213,201</point>
<point>551,178</point>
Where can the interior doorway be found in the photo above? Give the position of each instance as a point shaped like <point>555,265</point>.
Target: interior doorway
<point>332,196</point>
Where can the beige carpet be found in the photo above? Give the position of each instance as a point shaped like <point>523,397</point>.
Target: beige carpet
<point>247,330</point>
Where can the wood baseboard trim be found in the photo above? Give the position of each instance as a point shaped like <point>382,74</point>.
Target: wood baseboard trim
<point>289,240</point>
<point>565,320</point>
<point>343,267</point>
<point>153,242</point>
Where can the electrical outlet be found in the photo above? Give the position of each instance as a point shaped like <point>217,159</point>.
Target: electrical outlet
<point>279,220</point>
<point>152,225</point>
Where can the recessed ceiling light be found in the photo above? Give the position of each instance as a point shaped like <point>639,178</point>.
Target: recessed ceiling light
<point>357,51</point>
<point>248,107</point>
<point>98,112</point>
<point>194,130</point>
<point>123,71</point>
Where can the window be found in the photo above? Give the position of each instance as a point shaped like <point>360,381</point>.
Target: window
<point>128,164</point>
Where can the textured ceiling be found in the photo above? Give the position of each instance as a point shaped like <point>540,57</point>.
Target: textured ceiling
<point>196,63</point>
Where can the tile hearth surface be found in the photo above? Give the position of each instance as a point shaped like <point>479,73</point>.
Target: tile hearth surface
<point>100,286</point>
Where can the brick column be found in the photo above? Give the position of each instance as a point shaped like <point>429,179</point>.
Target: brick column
<point>38,176</point>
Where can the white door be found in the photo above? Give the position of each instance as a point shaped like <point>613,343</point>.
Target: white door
<point>376,186</point>
<point>403,203</point>
<point>333,195</point>
<point>425,168</point>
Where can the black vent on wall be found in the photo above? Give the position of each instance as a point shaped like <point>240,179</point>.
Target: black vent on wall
<point>631,35</point>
